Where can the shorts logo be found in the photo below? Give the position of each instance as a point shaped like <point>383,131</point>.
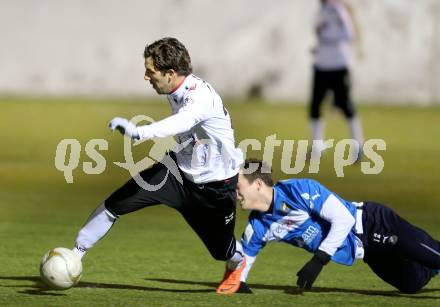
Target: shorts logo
<point>229,218</point>
<point>379,238</point>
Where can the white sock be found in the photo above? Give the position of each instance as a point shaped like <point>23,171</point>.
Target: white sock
<point>317,127</point>
<point>96,227</point>
<point>356,130</point>
<point>236,260</point>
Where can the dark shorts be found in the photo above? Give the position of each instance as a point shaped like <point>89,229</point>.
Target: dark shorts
<point>338,83</point>
<point>208,208</point>
<point>400,253</point>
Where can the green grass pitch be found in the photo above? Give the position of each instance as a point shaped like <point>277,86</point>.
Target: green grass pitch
<point>152,258</point>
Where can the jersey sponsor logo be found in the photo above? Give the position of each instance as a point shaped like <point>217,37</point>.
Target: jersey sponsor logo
<point>310,234</point>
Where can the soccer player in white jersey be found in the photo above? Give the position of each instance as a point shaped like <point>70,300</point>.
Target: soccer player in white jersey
<point>207,161</point>
<point>303,213</point>
<point>335,30</point>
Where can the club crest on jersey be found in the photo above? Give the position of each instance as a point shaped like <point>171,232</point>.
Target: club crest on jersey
<point>229,218</point>
<point>192,87</point>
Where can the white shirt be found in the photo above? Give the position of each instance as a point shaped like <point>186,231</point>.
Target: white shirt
<point>202,128</point>
<point>336,32</point>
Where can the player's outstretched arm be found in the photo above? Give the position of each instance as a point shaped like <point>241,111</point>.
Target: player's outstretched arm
<point>124,127</point>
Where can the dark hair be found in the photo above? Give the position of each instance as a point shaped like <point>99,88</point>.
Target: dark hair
<point>169,53</point>
<point>253,169</point>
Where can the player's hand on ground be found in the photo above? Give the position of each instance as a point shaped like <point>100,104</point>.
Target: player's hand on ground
<point>244,288</point>
<point>310,271</point>
<point>124,127</point>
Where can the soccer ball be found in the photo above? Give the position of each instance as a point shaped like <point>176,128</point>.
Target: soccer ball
<point>60,268</point>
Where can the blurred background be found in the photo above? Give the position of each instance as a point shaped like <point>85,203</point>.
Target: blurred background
<point>243,47</point>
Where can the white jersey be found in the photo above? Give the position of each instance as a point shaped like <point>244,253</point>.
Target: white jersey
<point>334,35</point>
<point>202,128</point>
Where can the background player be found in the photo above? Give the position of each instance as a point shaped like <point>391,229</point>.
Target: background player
<point>331,70</point>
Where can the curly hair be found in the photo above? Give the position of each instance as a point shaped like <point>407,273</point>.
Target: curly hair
<point>169,53</point>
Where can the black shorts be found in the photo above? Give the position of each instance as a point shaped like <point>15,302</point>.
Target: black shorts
<point>336,81</point>
<point>208,208</point>
<point>400,253</point>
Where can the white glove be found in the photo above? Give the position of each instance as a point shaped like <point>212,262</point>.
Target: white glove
<point>125,127</point>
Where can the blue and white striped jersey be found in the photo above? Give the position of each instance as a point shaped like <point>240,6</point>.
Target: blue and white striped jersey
<point>302,213</point>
